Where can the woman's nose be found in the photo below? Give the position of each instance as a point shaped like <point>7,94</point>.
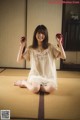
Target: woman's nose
<point>40,36</point>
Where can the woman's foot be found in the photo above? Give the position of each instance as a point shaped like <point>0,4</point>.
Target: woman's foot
<point>20,83</point>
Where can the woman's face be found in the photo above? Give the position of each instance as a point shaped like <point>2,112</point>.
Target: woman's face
<point>40,37</point>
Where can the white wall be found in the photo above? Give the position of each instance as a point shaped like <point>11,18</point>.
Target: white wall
<point>12,27</point>
<point>41,12</point>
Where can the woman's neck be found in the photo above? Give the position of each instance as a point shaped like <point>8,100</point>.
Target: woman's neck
<point>40,44</point>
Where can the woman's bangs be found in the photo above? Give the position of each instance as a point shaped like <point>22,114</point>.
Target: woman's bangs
<point>41,31</point>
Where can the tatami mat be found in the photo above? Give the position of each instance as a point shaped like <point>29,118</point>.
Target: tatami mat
<point>1,69</point>
<point>21,102</point>
<point>15,72</point>
<point>68,87</point>
<point>62,107</point>
<point>65,102</point>
<point>25,72</point>
<point>68,74</point>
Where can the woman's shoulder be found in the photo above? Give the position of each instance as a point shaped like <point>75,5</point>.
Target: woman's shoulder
<point>50,45</point>
<point>29,47</point>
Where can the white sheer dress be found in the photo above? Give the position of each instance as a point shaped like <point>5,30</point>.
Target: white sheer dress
<point>43,69</point>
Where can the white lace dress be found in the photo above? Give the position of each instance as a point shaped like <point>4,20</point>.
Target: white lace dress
<point>43,69</point>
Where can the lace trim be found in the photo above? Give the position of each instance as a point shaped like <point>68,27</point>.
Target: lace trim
<point>41,53</point>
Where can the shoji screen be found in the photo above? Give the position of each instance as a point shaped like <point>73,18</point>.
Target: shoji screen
<point>43,12</point>
<point>12,27</point>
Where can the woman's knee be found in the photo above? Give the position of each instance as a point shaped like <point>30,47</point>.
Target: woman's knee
<point>35,88</point>
<point>50,89</point>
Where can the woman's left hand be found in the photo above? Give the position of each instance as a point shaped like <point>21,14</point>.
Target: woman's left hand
<point>59,41</point>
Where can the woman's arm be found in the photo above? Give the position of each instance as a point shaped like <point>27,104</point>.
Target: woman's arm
<point>62,55</point>
<point>20,54</point>
<point>21,50</point>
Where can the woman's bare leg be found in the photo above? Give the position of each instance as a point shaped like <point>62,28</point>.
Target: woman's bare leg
<point>20,83</point>
<point>48,88</point>
<point>34,87</point>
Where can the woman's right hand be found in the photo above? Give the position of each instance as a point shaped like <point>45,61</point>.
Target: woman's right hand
<point>23,41</point>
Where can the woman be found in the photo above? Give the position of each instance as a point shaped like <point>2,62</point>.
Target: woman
<point>42,56</point>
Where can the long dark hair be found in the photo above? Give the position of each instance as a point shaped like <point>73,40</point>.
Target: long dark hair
<point>40,29</point>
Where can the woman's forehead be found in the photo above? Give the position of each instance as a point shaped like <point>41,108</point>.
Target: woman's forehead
<point>41,31</point>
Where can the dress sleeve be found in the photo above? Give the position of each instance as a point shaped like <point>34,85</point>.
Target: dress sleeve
<point>55,52</point>
<point>26,54</point>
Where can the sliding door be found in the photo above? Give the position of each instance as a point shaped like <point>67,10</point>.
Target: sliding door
<point>12,27</point>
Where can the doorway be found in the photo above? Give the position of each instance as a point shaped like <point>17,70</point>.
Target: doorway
<point>71,34</point>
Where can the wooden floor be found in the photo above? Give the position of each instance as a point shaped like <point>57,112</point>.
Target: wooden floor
<point>62,98</point>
